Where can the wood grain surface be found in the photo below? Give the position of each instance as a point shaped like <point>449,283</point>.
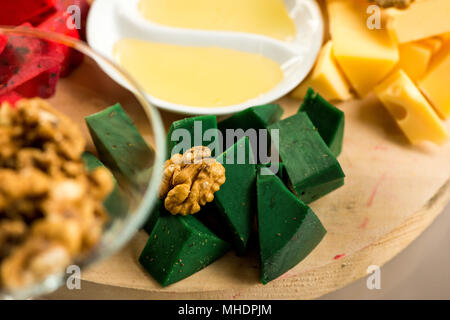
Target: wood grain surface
<point>393,191</point>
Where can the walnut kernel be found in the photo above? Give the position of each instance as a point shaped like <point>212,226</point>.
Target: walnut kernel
<point>190,181</point>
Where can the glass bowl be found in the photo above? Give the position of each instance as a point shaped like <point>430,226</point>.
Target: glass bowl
<point>85,91</point>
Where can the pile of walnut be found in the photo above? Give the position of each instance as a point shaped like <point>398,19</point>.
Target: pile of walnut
<point>51,209</point>
<point>190,181</point>
<point>401,4</point>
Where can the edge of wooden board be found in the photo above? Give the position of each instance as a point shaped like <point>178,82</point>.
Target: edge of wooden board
<point>307,285</point>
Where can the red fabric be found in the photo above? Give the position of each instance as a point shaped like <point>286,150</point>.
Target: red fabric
<point>30,67</point>
<point>16,12</point>
<point>23,59</point>
<point>11,97</point>
<point>63,5</point>
<point>70,57</point>
<point>43,86</point>
<point>3,41</point>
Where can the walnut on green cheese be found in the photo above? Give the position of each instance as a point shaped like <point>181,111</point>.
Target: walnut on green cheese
<point>190,181</point>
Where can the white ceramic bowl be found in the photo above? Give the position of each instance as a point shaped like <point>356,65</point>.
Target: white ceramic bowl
<point>112,20</point>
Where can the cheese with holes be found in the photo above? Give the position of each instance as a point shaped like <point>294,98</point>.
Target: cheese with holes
<point>435,86</point>
<point>326,78</point>
<point>414,59</point>
<point>411,110</point>
<point>366,56</point>
<point>423,19</point>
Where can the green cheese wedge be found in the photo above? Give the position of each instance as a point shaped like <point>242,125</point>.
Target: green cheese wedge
<point>116,203</point>
<point>179,247</point>
<point>312,168</point>
<point>235,200</point>
<point>157,211</point>
<point>288,229</point>
<point>196,131</point>
<point>277,168</point>
<point>329,120</point>
<point>121,147</point>
<point>249,122</point>
<point>258,117</point>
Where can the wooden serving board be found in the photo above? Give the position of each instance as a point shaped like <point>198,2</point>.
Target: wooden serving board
<point>393,191</point>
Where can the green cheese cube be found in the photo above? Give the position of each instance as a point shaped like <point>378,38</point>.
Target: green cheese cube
<point>250,121</point>
<point>258,117</point>
<point>288,229</point>
<point>235,200</point>
<point>157,211</point>
<point>312,168</point>
<point>121,147</point>
<point>277,168</point>
<point>179,247</point>
<point>116,203</point>
<point>191,132</point>
<point>329,120</point>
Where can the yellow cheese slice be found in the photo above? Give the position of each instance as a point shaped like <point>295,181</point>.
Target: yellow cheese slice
<point>365,56</point>
<point>436,86</point>
<point>414,59</point>
<point>423,19</point>
<point>411,110</point>
<point>326,78</point>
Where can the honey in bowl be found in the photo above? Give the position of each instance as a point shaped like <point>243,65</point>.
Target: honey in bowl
<point>265,17</point>
<point>197,76</point>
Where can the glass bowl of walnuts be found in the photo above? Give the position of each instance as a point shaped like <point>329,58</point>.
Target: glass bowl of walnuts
<point>80,158</point>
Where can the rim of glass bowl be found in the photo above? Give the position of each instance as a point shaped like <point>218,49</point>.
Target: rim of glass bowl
<point>137,217</point>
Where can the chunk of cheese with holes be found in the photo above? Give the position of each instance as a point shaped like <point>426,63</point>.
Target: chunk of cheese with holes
<point>326,78</point>
<point>423,19</point>
<point>366,56</point>
<point>435,85</point>
<point>411,110</point>
<point>414,59</point>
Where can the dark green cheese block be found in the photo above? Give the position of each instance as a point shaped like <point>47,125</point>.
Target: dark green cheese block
<point>212,218</point>
<point>254,119</point>
<point>179,247</point>
<point>116,203</point>
<point>120,146</point>
<point>288,229</point>
<point>191,132</point>
<point>235,199</point>
<point>157,211</point>
<point>329,120</point>
<point>312,168</point>
<point>276,168</point>
<point>258,117</point>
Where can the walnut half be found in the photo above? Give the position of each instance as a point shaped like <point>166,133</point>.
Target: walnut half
<point>190,181</point>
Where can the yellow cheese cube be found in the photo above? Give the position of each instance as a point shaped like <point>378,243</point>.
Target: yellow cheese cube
<point>326,78</point>
<point>423,19</point>
<point>445,37</point>
<point>365,56</point>
<point>436,86</point>
<point>414,59</point>
<point>411,110</point>
<point>434,43</point>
